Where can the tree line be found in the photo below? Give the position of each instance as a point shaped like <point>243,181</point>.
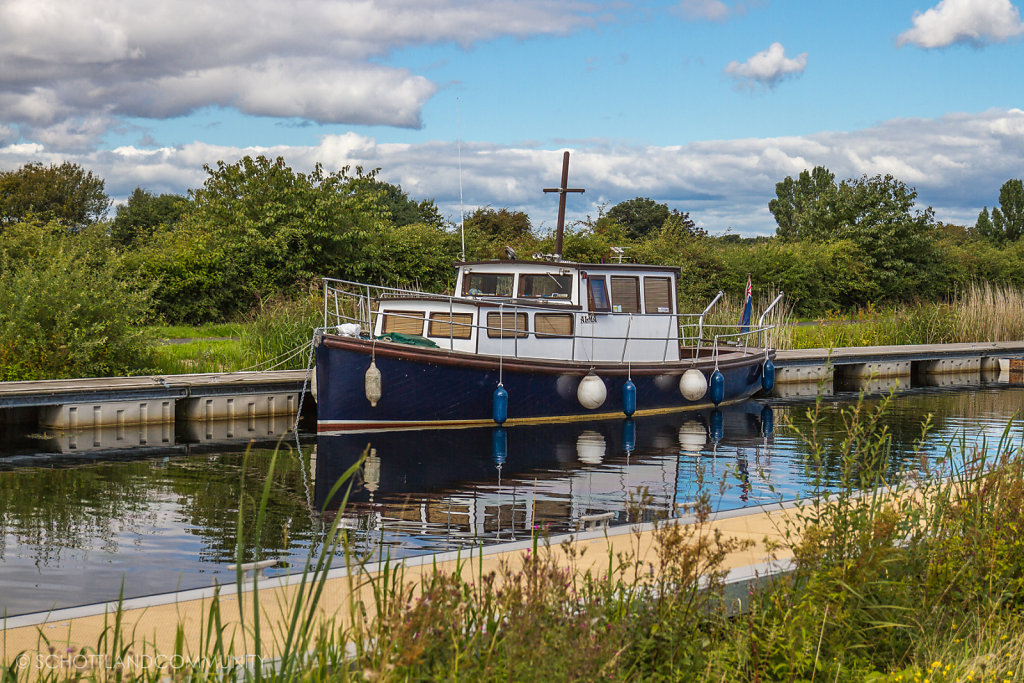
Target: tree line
<point>73,274</point>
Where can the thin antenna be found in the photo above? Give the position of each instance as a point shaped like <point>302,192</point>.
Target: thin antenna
<point>462,211</point>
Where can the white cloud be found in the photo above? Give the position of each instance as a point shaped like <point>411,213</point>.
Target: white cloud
<point>768,67</point>
<point>73,64</point>
<point>957,163</point>
<point>977,22</point>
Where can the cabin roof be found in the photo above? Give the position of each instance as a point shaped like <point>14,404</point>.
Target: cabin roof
<point>570,264</point>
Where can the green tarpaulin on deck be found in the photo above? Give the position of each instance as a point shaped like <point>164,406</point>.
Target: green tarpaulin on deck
<point>413,339</point>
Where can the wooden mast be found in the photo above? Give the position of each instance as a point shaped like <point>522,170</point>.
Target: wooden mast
<point>562,190</point>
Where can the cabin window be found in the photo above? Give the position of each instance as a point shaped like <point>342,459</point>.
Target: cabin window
<point>597,294</point>
<point>552,324</point>
<point>625,294</point>
<point>451,326</point>
<point>658,294</point>
<point>403,322</point>
<point>546,286</point>
<point>487,284</point>
<point>506,325</point>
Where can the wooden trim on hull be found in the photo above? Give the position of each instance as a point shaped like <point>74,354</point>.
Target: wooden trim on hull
<point>726,360</point>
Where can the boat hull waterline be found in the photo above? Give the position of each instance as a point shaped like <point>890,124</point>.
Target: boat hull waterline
<point>427,388</point>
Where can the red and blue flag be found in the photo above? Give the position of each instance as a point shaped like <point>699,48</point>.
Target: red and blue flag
<point>748,304</point>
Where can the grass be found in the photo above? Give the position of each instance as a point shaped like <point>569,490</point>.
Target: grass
<point>914,578</point>
<point>274,337</point>
<point>200,355</point>
<point>981,312</point>
<point>163,332</point>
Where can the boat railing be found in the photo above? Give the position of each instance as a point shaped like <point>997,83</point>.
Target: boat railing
<point>347,302</point>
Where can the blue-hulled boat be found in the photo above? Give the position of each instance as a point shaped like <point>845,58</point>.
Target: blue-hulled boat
<point>527,341</point>
<point>561,339</point>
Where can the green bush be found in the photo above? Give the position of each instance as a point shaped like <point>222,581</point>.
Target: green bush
<point>64,309</point>
<point>416,256</point>
<point>194,276</point>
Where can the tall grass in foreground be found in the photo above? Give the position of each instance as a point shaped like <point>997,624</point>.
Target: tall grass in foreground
<point>920,577</point>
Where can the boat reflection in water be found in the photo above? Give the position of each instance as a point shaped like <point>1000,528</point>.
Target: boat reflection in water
<point>456,486</point>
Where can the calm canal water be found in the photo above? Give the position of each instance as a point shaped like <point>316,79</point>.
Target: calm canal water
<point>79,519</point>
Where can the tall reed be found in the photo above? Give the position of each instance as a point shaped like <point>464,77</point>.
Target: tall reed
<point>278,333</point>
<point>980,312</point>
<point>988,312</point>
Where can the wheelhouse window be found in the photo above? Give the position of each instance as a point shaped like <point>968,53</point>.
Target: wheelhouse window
<point>502,325</point>
<point>545,286</point>
<point>625,294</point>
<point>657,294</point>
<point>487,284</point>
<point>553,324</point>
<point>453,326</point>
<point>597,294</point>
<point>403,322</point>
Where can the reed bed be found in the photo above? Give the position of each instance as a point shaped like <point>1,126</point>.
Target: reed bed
<point>980,312</point>
<point>987,312</point>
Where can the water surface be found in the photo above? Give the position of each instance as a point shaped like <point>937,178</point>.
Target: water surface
<point>78,524</point>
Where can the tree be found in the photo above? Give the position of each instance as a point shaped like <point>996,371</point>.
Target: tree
<point>257,228</point>
<point>401,209</point>
<point>143,213</point>
<point>1007,222</point>
<point>290,227</point>
<point>640,216</point>
<point>984,225</point>
<point>805,208</point>
<point>67,194</point>
<point>897,239</point>
<point>679,222</point>
<point>876,214</point>
<point>500,225</point>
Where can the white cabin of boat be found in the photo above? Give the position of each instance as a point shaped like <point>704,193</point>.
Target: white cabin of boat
<point>613,312</point>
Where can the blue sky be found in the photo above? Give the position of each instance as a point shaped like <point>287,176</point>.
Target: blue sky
<point>702,104</point>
